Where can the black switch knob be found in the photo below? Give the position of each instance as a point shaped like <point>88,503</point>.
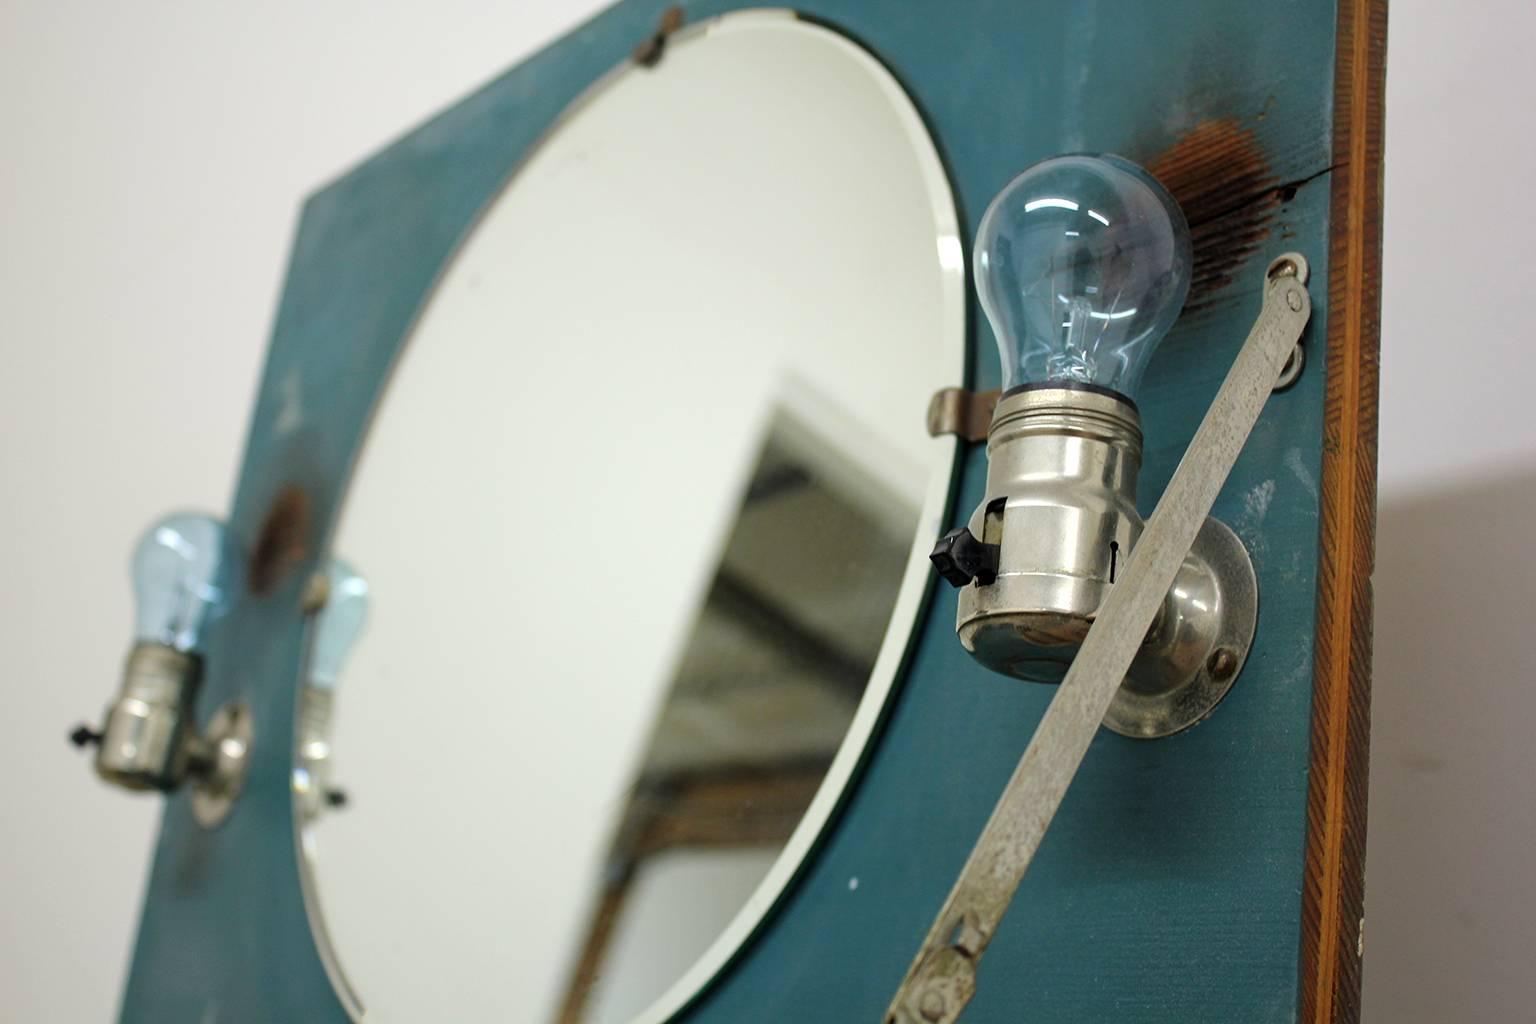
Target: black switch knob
<point>960,558</point>
<point>84,736</point>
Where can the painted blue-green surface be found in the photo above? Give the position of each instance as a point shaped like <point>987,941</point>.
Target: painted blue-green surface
<point>1169,888</point>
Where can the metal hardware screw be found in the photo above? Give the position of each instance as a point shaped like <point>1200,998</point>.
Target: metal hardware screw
<point>1285,266</point>
<point>1293,299</point>
<point>1221,664</point>
<point>932,1006</point>
<point>316,593</point>
<point>1291,371</point>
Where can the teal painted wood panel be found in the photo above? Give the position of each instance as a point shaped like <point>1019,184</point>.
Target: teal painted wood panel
<point>1169,888</point>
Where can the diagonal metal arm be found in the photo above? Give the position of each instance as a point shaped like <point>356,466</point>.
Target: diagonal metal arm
<point>942,978</point>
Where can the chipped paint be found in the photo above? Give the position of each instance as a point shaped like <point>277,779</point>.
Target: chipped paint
<point>290,411</point>
<point>1303,473</point>
<point>1256,504</point>
<point>1249,524</point>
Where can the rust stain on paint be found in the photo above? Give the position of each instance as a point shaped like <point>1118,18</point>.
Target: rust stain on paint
<point>283,542</point>
<point>1218,173</point>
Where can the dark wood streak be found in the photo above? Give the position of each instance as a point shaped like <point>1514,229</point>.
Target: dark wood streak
<point>1333,891</point>
<point>1219,174</point>
<point>283,542</point>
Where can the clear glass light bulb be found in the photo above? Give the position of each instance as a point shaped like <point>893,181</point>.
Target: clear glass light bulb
<point>180,575</point>
<point>1082,264</point>
<point>338,624</point>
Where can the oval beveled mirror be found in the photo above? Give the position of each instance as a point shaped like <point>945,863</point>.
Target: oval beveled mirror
<point>636,542</point>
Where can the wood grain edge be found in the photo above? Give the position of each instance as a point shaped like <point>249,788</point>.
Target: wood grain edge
<point>1333,892</point>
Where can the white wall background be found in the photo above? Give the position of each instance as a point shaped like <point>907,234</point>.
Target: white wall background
<point>152,156</point>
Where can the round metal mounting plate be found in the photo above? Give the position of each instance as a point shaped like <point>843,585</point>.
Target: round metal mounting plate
<point>229,748</point>
<point>1213,657</point>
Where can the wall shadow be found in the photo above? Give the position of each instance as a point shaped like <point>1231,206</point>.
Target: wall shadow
<point>1450,920</point>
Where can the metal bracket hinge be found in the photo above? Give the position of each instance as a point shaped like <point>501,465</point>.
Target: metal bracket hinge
<point>654,47</point>
<point>942,978</point>
<point>966,414</point>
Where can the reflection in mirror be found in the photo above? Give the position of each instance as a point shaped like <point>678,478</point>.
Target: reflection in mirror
<point>637,520</point>
<point>342,597</point>
<point>765,688</point>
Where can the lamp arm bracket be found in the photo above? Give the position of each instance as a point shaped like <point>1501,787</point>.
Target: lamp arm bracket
<point>942,978</point>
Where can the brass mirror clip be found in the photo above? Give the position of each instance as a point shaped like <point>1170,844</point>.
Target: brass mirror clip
<point>654,47</point>
<point>965,414</point>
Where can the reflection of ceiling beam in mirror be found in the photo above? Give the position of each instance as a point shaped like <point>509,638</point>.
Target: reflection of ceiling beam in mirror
<point>777,659</point>
<point>775,481</point>
<point>746,810</point>
<point>841,671</point>
<point>854,458</point>
<point>784,640</point>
